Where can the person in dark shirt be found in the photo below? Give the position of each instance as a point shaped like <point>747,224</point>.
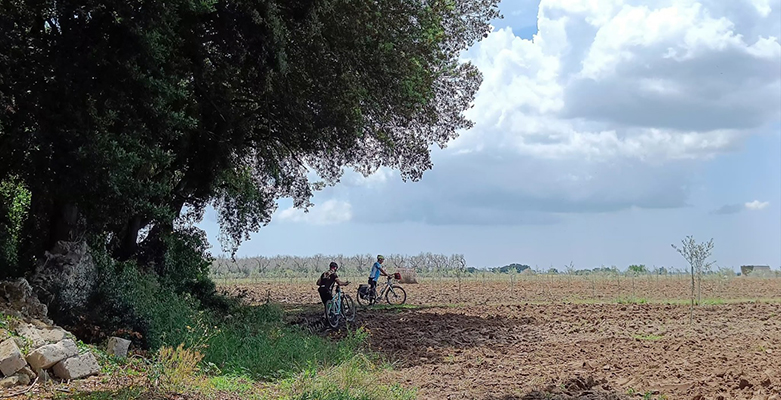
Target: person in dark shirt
<point>326,282</point>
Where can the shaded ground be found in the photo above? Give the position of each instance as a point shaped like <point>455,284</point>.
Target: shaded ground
<point>584,351</point>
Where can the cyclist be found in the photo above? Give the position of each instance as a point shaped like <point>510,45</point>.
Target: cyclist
<point>325,282</point>
<point>375,273</point>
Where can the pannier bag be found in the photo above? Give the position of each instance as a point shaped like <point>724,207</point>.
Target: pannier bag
<point>363,290</point>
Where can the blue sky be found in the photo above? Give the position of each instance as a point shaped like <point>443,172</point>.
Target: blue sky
<point>605,131</point>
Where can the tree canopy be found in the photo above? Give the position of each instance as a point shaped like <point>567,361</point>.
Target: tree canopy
<point>119,117</point>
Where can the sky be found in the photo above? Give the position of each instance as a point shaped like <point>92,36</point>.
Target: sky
<point>605,131</point>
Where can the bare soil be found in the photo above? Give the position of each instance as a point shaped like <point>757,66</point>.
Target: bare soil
<point>537,289</point>
<point>491,343</point>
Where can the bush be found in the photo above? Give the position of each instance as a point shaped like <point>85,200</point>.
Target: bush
<point>186,263</point>
<point>14,205</point>
<point>138,306</point>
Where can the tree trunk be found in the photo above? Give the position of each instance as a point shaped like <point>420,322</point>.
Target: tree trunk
<point>63,224</point>
<point>129,241</point>
<point>691,307</point>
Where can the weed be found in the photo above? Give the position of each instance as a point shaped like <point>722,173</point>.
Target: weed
<point>177,368</point>
<point>129,393</point>
<point>355,378</point>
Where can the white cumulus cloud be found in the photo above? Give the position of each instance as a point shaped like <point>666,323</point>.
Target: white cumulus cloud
<point>611,105</point>
<point>757,205</point>
<point>674,79</point>
<point>329,212</point>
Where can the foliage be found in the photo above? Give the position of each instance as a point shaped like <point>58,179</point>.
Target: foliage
<point>129,300</point>
<point>14,203</point>
<point>511,267</point>
<point>121,117</point>
<point>637,269</point>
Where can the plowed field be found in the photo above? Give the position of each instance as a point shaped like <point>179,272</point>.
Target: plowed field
<point>535,343</point>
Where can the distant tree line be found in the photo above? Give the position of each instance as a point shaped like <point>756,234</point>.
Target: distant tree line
<point>424,264</point>
<point>359,264</point>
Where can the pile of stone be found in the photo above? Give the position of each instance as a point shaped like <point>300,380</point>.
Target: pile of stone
<point>42,350</point>
<point>31,346</point>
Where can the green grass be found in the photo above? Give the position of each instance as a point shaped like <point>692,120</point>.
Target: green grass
<point>254,354</point>
<point>256,343</point>
<point>632,300</point>
<point>359,378</point>
<point>128,393</point>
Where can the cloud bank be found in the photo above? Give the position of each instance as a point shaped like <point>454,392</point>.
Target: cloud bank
<point>612,105</point>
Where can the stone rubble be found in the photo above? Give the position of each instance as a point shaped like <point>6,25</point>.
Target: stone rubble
<point>77,367</point>
<point>118,347</point>
<point>10,358</point>
<point>46,356</point>
<point>31,346</point>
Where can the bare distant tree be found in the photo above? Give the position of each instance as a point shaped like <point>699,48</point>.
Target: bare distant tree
<point>300,264</point>
<point>262,264</point>
<point>696,254</point>
<point>458,263</point>
<point>399,261</point>
<point>570,268</point>
<point>317,262</point>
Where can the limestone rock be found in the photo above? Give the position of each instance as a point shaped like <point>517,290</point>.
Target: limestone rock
<point>118,346</point>
<point>77,367</point>
<point>10,358</point>
<point>50,354</point>
<point>22,378</point>
<point>18,299</point>
<point>9,381</point>
<point>39,336</point>
<point>43,376</point>
<point>27,371</point>
<point>30,333</point>
<point>53,334</point>
<point>65,279</point>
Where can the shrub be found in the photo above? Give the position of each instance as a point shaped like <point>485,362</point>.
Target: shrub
<point>132,301</point>
<point>14,204</point>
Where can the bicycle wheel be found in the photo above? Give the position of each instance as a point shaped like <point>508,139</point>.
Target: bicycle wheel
<point>396,295</point>
<point>362,302</point>
<point>348,308</point>
<point>332,314</point>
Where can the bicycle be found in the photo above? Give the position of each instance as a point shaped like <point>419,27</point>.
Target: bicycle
<point>394,294</point>
<point>341,306</point>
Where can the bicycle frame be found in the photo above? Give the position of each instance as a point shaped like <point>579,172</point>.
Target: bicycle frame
<point>387,286</point>
<point>338,299</point>
<point>337,308</point>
